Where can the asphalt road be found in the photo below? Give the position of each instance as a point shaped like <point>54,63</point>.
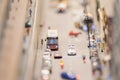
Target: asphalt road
<point>64,23</point>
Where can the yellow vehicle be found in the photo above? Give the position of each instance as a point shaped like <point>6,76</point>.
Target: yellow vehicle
<point>61,63</point>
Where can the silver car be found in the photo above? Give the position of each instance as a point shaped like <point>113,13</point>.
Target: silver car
<point>71,50</point>
<point>45,74</point>
<point>47,64</point>
<point>46,56</point>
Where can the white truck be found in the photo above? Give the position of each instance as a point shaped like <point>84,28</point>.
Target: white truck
<point>52,39</point>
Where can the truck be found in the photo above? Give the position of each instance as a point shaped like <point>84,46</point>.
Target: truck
<point>52,39</point>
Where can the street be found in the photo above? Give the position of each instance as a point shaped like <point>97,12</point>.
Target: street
<point>64,23</point>
<point>59,40</point>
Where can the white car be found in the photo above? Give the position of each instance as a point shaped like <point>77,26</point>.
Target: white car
<point>45,74</point>
<point>46,56</point>
<point>71,50</point>
<point>47,64</point>
<point>48,50</point>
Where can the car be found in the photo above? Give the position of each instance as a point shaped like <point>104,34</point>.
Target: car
<point>71,50</point>
<point>68,76</point>
<point>45,74</point>
<point>47,64</point>
<point>49,51</point>
<point>52,39</point>
<point>52,43</point>
<point>57,55</point>
<point>46,56</point>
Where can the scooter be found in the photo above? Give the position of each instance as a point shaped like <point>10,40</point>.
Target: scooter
<point>61,64</point>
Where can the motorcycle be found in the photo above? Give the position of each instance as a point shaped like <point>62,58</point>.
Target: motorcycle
<point>61,64</point>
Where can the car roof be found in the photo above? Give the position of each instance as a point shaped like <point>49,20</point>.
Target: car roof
<point>45,71</point>
<point>52,33</point>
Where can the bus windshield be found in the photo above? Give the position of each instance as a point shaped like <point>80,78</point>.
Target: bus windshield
<point>52,41</point>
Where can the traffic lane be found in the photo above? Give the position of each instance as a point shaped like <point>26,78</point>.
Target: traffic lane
<point>64,23</point>
<point>76,65</point>
<point>61,27</point>
<point>56,70</point>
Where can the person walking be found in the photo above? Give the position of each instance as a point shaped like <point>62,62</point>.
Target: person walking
<point>41,43</point>
<point>30,12</point>
<point>84,58</point>
<point>30,1</point>
<point>49,27</point>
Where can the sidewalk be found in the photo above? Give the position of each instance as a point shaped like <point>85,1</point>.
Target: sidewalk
<point>102,55</point>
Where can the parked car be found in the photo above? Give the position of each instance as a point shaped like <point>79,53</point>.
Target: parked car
<point>47,64</point>
<point>45,74</point>
<point>49,51</point>
<point>46,56</point>
<point>71,50</point>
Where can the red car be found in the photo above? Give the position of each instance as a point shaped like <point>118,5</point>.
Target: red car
<point>57,55</point>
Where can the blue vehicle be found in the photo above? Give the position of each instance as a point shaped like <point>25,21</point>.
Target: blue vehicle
<point>67,76</point>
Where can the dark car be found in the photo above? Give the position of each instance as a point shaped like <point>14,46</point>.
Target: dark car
<point>52,43</point>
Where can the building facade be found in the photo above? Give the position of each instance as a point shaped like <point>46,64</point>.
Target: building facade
<point>115,62</point>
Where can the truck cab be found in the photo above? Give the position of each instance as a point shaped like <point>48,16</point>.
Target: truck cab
<point>52,40</point>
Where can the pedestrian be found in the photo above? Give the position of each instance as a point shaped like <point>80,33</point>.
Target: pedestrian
<point>41,25</point>
<point>93,29</point>
<point>30,12</point>
<point>84,58</point>
<point>41,41</point>
<point>30,1</point>
<point>49,27</point>
<point>45,40</point>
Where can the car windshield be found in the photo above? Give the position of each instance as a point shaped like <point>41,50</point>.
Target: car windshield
<point>52,41</point>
